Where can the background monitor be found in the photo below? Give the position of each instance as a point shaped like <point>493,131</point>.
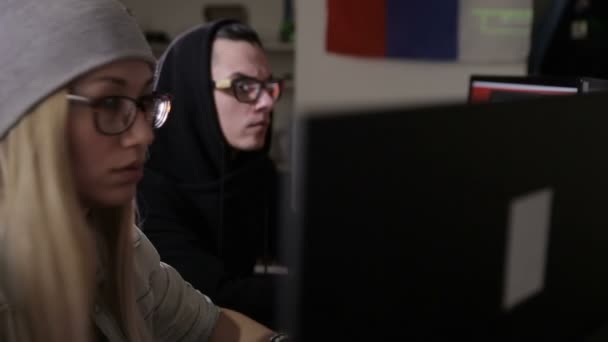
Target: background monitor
<point>484,88</point>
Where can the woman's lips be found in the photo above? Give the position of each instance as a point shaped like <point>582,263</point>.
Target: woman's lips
<point>132,173</point>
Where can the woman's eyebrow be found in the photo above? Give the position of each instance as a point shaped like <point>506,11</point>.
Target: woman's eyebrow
<point>117,81</point>
<point>110,79</point>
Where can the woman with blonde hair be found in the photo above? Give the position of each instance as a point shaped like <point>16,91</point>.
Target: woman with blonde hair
<point>76,119</point>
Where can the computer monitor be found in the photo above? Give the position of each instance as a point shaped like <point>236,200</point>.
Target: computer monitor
<point>569,39</point>
<point>472,223</point>
<point>486,88</point>
<point>547,19</point>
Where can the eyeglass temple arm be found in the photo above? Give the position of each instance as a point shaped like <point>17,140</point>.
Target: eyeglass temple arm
<point>223,84</point>
<point>78,98</point>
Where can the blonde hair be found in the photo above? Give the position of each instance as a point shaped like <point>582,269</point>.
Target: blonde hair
<point>48,246</point>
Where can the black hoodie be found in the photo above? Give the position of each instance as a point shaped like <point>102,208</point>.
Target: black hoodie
<point>205,207</point>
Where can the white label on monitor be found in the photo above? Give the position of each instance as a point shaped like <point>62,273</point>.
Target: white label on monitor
<point>526,252</point>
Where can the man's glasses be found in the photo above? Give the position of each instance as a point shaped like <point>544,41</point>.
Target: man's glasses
<point>116,114</point>
<point>248,89</point>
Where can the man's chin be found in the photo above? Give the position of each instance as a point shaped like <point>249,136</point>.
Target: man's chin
<point>250,146</point>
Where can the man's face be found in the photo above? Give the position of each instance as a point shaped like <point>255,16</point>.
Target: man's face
<point>244,125</point>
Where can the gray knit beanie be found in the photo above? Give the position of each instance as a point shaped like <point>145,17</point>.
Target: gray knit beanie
<point>45,44</point>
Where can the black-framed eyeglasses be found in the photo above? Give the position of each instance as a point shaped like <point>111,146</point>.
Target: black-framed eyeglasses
<point>116,114</point>
<point>248,90</point>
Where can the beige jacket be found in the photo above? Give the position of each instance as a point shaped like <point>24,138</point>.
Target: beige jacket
<point>172,309</point>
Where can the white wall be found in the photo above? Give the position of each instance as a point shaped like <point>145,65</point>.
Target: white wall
<point>179,15</point>
<point>324,80</point>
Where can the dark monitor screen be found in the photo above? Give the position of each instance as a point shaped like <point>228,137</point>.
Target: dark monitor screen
<point>473,223</point>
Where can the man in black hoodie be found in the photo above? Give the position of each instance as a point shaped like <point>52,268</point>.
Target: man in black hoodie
<point>209,189</point>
